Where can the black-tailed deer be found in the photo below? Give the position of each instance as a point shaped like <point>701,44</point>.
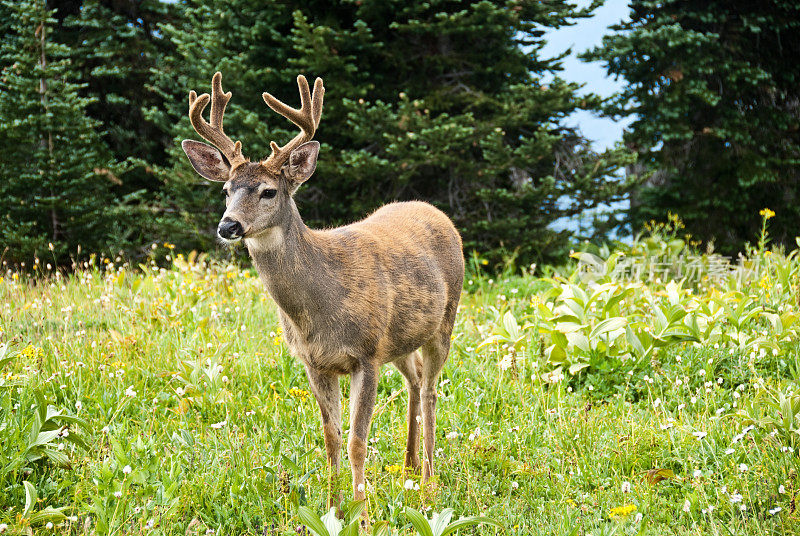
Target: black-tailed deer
<point>350,299</point>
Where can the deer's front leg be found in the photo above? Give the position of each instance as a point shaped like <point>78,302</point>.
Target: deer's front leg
<point>326,390</point>
<point>363,390</point>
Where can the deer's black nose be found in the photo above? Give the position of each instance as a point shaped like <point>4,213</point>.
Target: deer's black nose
<point>230,229</point>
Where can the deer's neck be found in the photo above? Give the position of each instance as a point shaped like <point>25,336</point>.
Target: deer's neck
<point>291,263</point>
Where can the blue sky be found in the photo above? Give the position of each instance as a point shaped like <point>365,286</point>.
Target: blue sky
<point>580,37</point>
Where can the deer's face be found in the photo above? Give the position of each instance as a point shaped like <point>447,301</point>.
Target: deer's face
<point>256,197</point>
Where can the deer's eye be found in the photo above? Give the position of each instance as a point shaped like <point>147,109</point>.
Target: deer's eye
<point>269,193</point>
<point>226,193</point>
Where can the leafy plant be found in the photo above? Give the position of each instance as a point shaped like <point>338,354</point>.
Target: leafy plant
<point>330,525</point>
<point>439,524</point>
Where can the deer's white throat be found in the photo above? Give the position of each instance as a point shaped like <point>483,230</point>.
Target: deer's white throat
<point>268,239</point>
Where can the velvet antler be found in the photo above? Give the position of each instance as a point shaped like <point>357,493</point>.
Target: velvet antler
<point>213,132</point>
<point>306,118</point>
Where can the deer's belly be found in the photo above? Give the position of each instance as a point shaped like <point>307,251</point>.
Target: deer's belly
<point>320,351</point>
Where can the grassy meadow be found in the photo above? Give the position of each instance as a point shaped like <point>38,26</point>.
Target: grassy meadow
<point>161,399</point>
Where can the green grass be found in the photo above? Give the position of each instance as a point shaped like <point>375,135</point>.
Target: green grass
<point>180,375</point>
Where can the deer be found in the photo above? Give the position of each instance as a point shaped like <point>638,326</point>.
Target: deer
<point>350,299</point>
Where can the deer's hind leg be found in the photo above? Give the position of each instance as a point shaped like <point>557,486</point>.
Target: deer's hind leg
<point>410,367</point>
<point>434,354</point>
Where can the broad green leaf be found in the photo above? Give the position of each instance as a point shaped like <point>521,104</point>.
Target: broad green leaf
<point>555,354</point>
<point>559,339</point>
<point>593,261</point>
<point>469,521</point>
<point>493,339</point>
<point>4,359</point>
<point>634,341</point>
<point>44,438</point>
<point>673,293</point>
<point>511,325</point>
<point>30,497</point>
<point>332,523</point>
<point>610,324</point>
<point>577,367</point>
<point>611,262</point>
<point>351,529</point>
<point>440,521</point>
<point>614,300</point>
<point>572,319</point>
<point>311,520</point>
<point>57,457</point>
<point>48,515</point>
<point>419,522</point>
<point>354,509</point>
<point>381,528</point>
<point>568,327</point>
<point>579,341</point>
<point>289,463</point>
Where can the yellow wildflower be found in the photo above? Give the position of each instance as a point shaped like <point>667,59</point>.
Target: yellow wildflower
<point>30,352</point>
<point>396,469</point>
<point>767,213</point>
<point>299,393</point>
<point>621,512</point>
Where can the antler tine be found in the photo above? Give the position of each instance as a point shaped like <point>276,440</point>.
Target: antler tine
<point>306,118</point>
<point>213,132</point>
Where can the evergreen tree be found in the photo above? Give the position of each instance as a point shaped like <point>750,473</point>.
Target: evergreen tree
<point>56,174</point>
<point>457,113</point>
<point>442,101</point>
<point>244,40</point>
<point>115,46</point>
<point>714,87</point>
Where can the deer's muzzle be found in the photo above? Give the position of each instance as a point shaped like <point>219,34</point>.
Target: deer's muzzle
<point>230,229</point>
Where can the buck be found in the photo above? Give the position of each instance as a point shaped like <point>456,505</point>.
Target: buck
<point>350,299</point>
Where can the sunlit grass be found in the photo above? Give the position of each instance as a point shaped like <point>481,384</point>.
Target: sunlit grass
<point>190,417</point>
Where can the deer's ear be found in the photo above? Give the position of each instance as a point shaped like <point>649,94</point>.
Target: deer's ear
<point>302,163</point>
<point>207,161</point>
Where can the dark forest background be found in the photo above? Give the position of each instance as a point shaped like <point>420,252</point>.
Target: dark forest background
<point>452,102</point>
